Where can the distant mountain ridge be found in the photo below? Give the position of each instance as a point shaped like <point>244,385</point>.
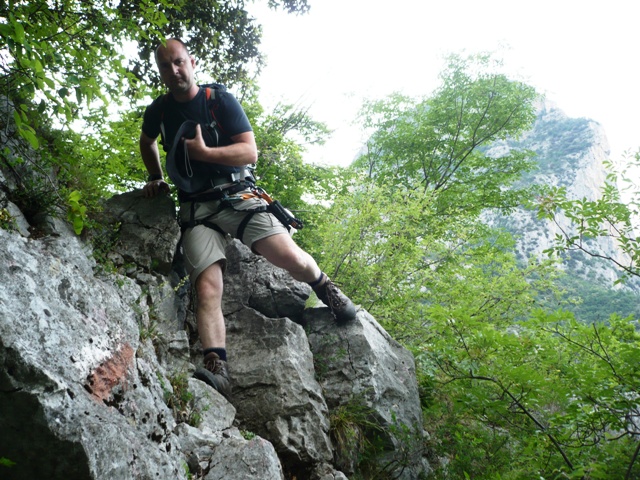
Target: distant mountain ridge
<point>570,153</point>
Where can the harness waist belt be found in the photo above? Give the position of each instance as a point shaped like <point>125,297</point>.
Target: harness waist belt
<point>222,185</point>
<point>220,181</point>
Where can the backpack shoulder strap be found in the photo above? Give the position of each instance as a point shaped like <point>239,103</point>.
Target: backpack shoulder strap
<point>163,103</point>
<point>212,95</point>
<point>212,91</point>
<point>214,86</point>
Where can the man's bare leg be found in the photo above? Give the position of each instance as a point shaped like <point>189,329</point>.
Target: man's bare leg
<point>209,288</point>
<point>211,329</point>
<point>282,251</point>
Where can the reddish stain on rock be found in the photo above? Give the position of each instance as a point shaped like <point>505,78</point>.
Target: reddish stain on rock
<point>110,373</point>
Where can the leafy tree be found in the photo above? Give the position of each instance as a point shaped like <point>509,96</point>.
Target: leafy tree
<point>59,57</point>
<point>282,136</point>
<point>429,179</point>
<point>538,393</point>
<point>66,54</point>
<point>438,144</point>
<point>589,301</point>
<point>510,391</point>
<point>551,397</point>
<point>61,64</point>
<point>222,36</point>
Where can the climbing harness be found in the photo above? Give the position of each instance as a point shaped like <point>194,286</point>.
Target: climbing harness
<point>229,194</point>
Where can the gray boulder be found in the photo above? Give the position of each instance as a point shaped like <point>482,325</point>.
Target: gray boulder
<point>75,401</point>
<point>363,371</point>
<point>148,229</point>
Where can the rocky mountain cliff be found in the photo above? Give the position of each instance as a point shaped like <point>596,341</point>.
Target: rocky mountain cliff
<point>570,153</point>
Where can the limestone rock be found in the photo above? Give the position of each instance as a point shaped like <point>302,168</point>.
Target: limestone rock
<point>74,401</point>
<point>360,365</point>
<point>274,387</point>
<point>148,234</point>
<point>95,369</point>
<point>245,460</point>
<point>251,281</point>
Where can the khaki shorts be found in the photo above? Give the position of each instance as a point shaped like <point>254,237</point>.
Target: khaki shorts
<point>203,246</point>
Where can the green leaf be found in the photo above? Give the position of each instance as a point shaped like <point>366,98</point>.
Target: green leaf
<point>5,30</point>
<point>5,462</point>
<point>29,135</point>
<point>75,196</point>
<point>18,30</point>
<point>78,225</point>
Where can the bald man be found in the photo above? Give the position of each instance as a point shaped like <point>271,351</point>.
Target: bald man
<point>214,157</point>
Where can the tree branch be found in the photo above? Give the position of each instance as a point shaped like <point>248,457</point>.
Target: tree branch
<point>531,417</point>
<point>633,460</point>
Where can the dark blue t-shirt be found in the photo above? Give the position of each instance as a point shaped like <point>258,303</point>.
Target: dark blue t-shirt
<point>229,116</point>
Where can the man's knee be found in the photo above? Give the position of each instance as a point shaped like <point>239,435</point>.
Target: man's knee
<point>283,252</point>
<point>209,283</point>
<point>297,260</point>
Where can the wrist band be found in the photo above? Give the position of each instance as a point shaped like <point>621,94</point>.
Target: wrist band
<point>154,176</point>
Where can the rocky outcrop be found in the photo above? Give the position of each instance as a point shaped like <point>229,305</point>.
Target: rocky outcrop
<point>96,364</point>
<point>80,395</point>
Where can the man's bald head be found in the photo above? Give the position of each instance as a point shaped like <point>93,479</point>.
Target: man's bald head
<point>176,69</point>
<point>172,42</point>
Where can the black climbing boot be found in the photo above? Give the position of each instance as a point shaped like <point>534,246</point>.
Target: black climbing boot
<point>341,307</point>
<point>215,374</point>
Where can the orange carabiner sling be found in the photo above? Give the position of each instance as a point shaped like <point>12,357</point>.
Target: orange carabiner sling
<point>275,207</point>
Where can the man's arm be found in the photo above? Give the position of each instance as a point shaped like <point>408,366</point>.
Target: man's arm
<point>243,150</point>
<point>151,158</point>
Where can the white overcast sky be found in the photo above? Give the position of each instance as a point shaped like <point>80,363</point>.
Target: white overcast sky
<point>582,54</point>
